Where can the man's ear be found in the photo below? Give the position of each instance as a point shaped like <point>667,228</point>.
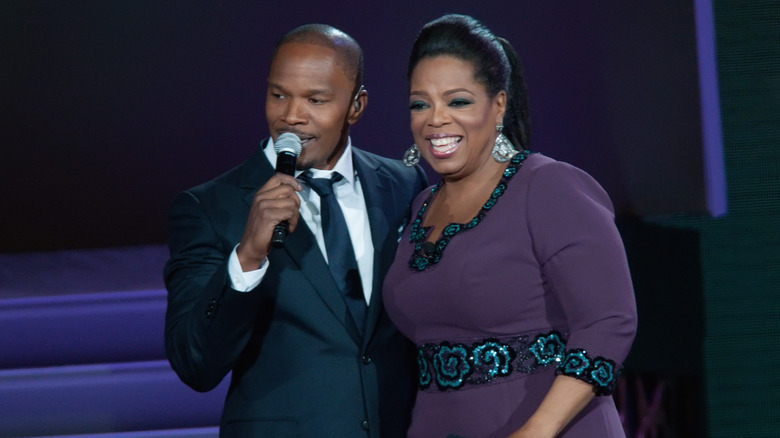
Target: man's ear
<point>358,105</point>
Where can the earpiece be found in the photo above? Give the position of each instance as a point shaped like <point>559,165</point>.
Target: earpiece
<point>355,100</point>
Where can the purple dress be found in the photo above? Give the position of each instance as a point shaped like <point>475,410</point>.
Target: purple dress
<point>536,284</point>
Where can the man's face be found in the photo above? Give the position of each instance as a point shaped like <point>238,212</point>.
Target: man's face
<point>310,96</point>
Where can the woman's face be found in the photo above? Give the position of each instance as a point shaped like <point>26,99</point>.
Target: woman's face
<point>453,120</point>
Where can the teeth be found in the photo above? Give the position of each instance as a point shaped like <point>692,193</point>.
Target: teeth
<point>445,144</point>
<point>444,141</point>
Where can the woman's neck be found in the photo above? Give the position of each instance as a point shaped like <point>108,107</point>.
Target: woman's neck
<point>459,200</point>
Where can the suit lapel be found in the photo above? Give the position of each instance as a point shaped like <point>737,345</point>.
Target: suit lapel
<point>302,248</point>
<point>378,192</point>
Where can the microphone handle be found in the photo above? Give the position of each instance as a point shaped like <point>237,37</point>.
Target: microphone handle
<point>279,234</point>
<point>285,163</point>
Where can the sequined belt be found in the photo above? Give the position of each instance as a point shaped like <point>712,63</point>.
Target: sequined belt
<point>453,366</point>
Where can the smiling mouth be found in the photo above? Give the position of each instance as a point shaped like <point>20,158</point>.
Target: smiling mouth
<point>445,145</point>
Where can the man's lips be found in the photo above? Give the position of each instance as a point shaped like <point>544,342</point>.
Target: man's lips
<point>305,138</point>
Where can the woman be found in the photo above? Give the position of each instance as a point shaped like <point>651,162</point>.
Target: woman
<point>511,277</point>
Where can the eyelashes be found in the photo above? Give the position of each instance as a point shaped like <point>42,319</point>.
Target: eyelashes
<point>417,105</point>
<point>454,103</point>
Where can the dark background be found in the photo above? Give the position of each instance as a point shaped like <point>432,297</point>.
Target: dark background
<point>111,108</point>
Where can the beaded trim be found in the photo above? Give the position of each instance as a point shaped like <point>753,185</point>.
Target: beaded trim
<point>454,366</point>
<point>420,260</point>
<point>600,372</point>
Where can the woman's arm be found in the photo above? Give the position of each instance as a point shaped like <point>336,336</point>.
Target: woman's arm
<point>566,398</point>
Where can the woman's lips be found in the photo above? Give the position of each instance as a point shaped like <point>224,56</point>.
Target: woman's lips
<point>442,147</point>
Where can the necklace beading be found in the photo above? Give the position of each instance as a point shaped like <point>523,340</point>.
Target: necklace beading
<point>420,260</point>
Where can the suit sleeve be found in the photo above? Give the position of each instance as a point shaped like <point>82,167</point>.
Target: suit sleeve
<point>584,264</point>
<point>207,323</point>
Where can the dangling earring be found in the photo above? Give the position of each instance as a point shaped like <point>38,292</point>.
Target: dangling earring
<point>411,156</point>
<point>503,150</point>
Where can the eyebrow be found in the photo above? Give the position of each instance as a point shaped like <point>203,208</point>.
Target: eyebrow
<point>457,90</point>
<point>446,93</point>
<point>310,92</point>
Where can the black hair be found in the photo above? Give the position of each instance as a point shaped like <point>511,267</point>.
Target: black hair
<point>496,65</point>
<point>349,55</point>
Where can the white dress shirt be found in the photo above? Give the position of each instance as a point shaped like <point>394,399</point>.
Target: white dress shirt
<point>349,194</point>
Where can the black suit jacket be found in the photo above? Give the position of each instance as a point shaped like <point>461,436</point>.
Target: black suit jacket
<point>299,365</point>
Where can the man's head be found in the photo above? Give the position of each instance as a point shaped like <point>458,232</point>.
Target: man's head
<point>315,92</point>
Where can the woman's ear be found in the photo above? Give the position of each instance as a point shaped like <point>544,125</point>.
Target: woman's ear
<point>500,103</point>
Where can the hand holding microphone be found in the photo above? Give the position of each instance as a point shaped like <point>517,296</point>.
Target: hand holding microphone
<point>274,210</point>
<point>288,147</point>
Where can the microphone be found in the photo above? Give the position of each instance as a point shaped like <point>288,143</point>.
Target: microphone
<point>287,147</point>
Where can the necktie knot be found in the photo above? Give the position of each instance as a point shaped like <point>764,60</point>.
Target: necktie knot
<point>322,186</point>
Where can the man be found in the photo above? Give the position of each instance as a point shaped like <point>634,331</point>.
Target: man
<point>310,355</point>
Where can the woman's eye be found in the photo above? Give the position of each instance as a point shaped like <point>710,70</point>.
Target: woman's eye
<point>460,102</point>
<point>417,105</point>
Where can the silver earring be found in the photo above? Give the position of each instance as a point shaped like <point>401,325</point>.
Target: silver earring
<point>411,156</point>
<point>503,150</point>
<point>500,127</point>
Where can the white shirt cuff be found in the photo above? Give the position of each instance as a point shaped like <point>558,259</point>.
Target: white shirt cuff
<point>244,281</point>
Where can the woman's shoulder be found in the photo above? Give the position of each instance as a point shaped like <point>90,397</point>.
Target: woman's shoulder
<point>540,164</point>
<point>548,178</point>
<point>541,168</point>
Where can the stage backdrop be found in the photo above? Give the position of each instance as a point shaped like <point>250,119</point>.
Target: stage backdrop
<point>111,108</point>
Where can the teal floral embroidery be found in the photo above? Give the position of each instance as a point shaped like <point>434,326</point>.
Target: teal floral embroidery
<point>419,264</point>
<point>600,372</point>
<point>575,363</point>
<point>418,233</point>
<point>603,375</point>
<point>455,365</point>
<point>495,356</point>
<point>548,348</point>
<point>451,365</point>
<point>451,230</point>
<point>424,373</point>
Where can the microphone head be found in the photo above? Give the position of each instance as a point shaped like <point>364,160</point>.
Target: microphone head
<point>288,142</point>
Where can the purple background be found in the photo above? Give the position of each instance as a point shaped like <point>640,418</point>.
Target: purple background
<point>111,108</point>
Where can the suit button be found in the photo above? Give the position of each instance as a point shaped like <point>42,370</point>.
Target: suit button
<point>366,359</point>
<point>364,425</point>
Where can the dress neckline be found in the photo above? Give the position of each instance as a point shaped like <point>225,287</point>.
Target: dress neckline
<point>427,254</point>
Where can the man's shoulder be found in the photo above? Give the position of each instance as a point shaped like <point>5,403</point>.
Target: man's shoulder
<point>391,165</point>
<point>236,177</point>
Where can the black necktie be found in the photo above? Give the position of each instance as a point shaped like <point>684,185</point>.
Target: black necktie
<point>341,254</point>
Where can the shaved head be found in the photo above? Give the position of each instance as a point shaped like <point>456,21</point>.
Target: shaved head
<point>349,55</point>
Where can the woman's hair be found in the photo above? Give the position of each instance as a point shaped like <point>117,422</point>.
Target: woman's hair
<point>496,65</point>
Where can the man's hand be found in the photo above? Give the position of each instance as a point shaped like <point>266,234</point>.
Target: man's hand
<point>274,202</point>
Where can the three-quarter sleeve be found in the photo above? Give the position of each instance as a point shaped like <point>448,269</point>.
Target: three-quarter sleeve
<point>584,267</point>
